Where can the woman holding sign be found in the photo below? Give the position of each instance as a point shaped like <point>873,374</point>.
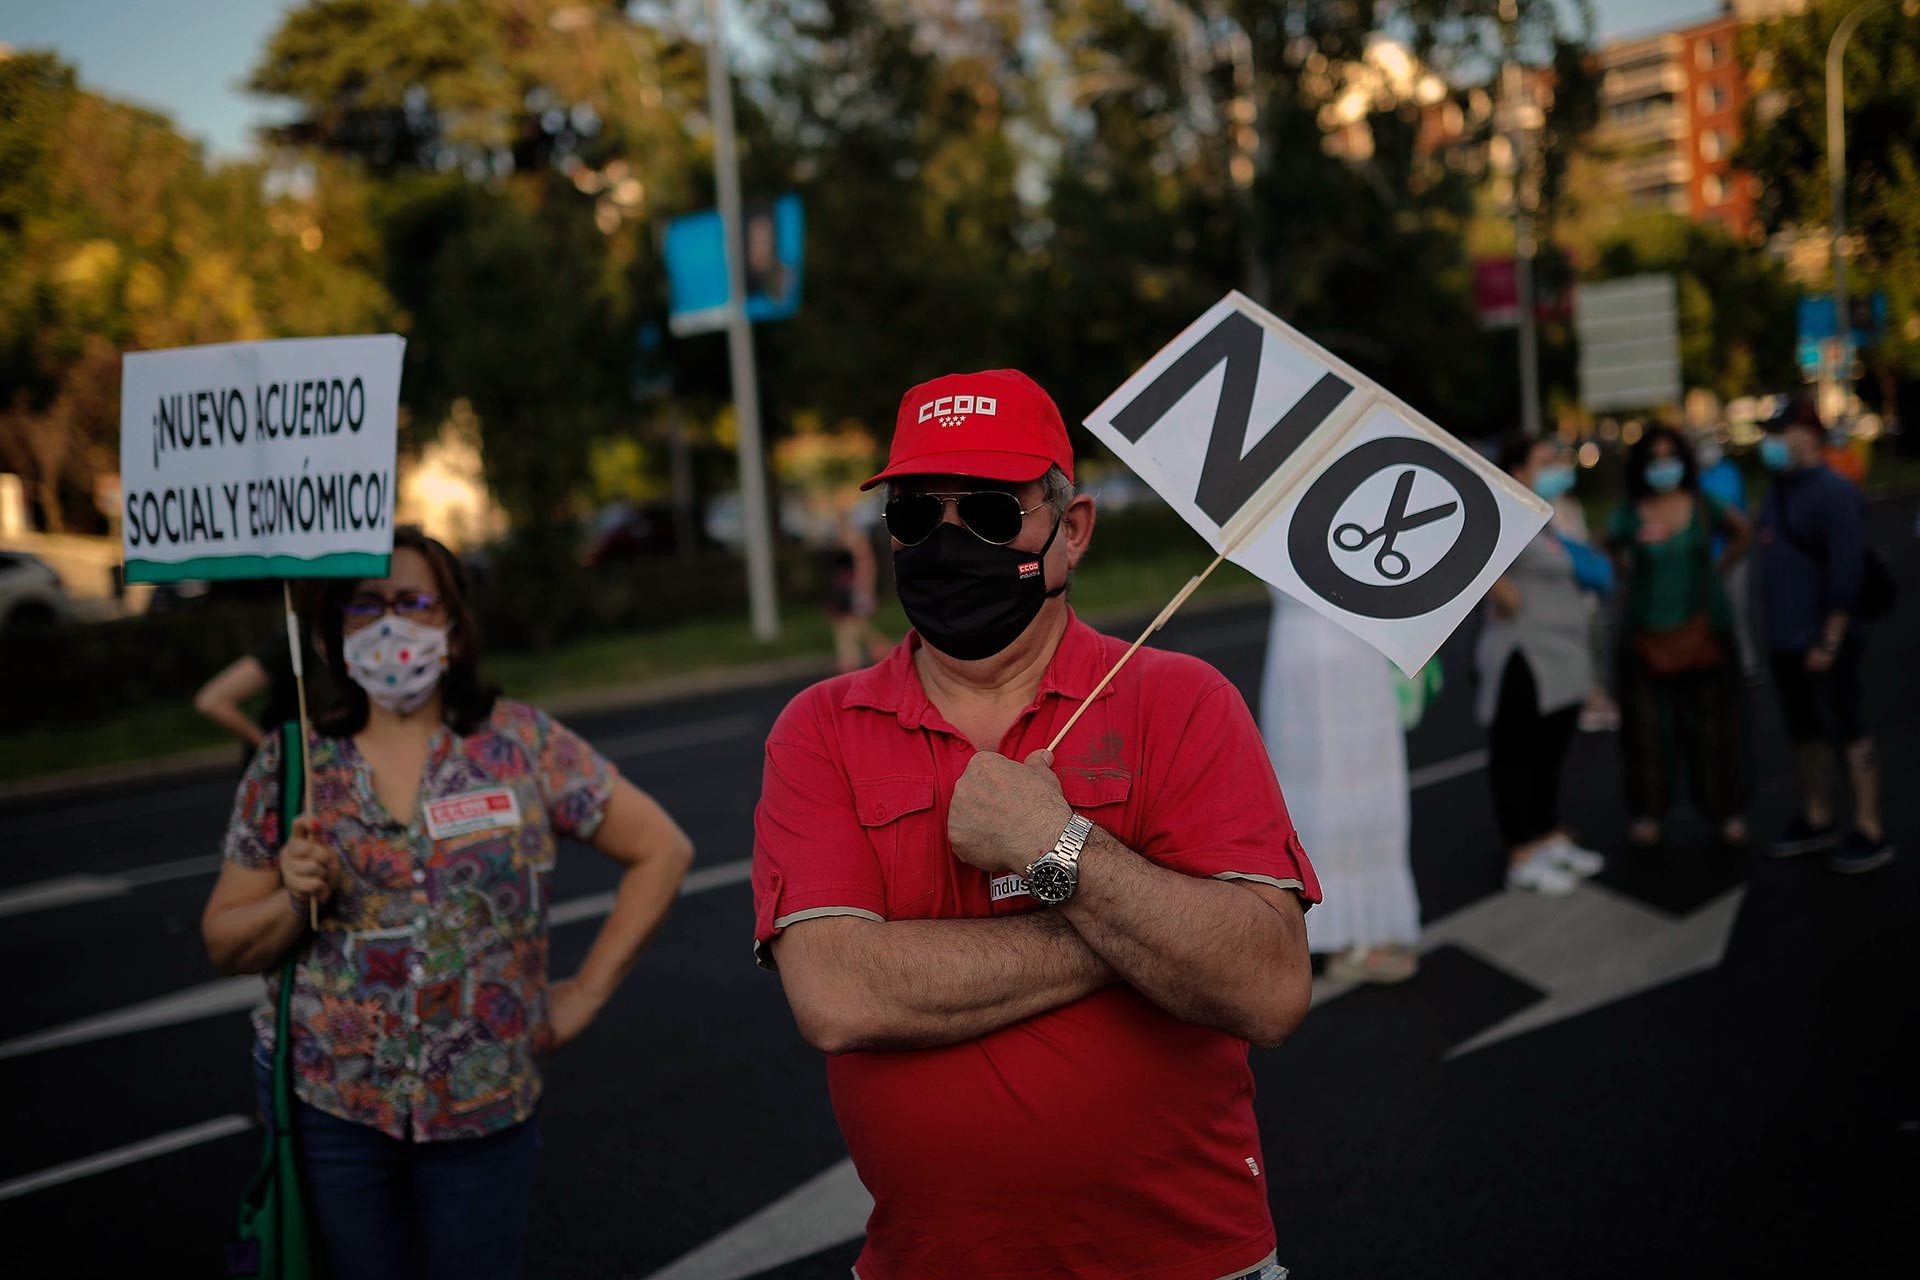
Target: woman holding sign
<point>422,1006</point>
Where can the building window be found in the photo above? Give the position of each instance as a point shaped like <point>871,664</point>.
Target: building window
<point>1713,99</point>
<point>1713,191</point>
<point>1713,145</point>
<point>1707,54</point>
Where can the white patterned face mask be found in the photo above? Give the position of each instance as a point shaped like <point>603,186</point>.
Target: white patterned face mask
<point>398,662</point>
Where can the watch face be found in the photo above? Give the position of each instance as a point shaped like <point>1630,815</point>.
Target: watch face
<point>1051,882</point>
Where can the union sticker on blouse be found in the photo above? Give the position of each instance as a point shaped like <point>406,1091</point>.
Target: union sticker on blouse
<point>474,811</point>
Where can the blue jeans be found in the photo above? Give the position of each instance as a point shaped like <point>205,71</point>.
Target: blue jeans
<point>384,1209</point>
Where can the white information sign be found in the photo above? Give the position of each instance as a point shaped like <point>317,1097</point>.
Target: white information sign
<point>1629,333</point>
<point>260,459</point>
<point>1318,480</point>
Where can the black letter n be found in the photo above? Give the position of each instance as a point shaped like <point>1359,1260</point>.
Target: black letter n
<point>1227,479</point>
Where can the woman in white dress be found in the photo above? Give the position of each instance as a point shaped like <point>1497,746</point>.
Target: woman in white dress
<point>1329,709</point>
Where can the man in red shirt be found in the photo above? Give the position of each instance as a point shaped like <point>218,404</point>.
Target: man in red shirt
<point>1037,978</point>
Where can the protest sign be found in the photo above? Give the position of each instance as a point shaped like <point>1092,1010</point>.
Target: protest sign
<point>1301,469</point>
<point>259,459</point>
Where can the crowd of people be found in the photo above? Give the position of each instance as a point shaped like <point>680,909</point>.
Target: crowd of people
<point>989,882</point>
<point>1645,627</point>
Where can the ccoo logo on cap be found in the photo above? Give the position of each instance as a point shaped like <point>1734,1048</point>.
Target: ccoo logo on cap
<point>994,425</point>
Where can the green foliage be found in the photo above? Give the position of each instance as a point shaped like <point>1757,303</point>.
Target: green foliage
<point>1060,188</point>
<point>1736,303</point>
<point>115,234</point>
<point>1786,149</point>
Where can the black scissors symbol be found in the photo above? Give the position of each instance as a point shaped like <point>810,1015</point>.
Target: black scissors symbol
<point>1351,537</point>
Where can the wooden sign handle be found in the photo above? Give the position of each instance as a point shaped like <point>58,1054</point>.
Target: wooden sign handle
<point>1193,584</point>
<point>306,728</point>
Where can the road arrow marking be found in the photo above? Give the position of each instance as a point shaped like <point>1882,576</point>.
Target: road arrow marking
<point>826,1210</point>
<point>1591,948</point>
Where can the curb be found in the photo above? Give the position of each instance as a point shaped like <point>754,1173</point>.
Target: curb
<point>204,763</point>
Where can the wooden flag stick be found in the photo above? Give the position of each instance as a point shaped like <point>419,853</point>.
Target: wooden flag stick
<point>306,729</point>
<point>1193,584</point>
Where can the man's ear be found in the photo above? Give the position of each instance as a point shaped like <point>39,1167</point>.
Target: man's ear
<point>1076,528</point>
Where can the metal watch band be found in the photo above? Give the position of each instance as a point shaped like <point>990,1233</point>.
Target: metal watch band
<point>1054,875</point>
<point>1073,838</point>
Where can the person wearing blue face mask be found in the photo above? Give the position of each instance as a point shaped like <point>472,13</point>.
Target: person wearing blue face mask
<point>1535,667</point>
<point>1679,682</point>
<point>1820,581</point>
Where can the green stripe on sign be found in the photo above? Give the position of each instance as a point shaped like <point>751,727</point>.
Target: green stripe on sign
<point>337,564</point>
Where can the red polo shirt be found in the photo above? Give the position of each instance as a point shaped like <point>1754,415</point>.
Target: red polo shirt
<point>1106,1138</point>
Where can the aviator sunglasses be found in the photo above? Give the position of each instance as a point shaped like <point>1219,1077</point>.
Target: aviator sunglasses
<point>991,515</point>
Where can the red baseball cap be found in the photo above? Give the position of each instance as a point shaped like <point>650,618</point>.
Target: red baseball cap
<point>997,425</point>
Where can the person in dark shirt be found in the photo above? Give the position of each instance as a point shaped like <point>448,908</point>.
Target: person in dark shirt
<point>1813,549</point>
<point>267,674</point>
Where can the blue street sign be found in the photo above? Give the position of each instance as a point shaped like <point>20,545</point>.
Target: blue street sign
<point>697,292</point>
<point>1817,325</point>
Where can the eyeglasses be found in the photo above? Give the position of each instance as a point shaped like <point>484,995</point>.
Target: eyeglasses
<point>368,606</point>
<point>991,515</point>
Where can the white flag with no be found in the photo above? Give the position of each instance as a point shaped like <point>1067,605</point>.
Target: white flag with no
<point>1315,478</point>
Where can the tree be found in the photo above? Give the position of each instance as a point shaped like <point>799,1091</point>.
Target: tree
<point>1785,149</point>
<point>116,235</point>
<point>519,147</point>
<point>902,129</point>
<point>1736,303</point>
<point>1197,158</point>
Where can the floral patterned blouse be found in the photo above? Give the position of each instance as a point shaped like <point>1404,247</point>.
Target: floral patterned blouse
<point>415,1005</point>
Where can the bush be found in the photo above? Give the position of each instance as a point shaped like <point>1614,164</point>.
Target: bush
<point>90,672</point>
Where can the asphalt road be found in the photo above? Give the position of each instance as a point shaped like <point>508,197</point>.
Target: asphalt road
<point>1704,1066</point>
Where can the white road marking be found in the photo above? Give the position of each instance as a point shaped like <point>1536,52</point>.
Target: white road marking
<point>700,733</point>
<point>231,995</point>
<point>1593,947</point>
<point>67,891</point>
<point>65,819</point>
<point>222,995</point>
<point>1446,770</point>
<point>133,1153</point>
<point>1589,949</point>
<point>826,1210</point>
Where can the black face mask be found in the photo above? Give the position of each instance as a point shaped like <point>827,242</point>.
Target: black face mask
<point>970,599</point>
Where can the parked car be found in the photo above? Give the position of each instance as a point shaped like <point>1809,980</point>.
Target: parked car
<point>626,529</point>
<point>31,593</point>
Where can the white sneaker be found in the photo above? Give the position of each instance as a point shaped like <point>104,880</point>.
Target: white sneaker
<point>1542,875</point>
<point>1582,862</point>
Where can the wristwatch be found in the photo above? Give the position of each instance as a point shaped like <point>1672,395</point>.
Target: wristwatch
<point>1053,876</point>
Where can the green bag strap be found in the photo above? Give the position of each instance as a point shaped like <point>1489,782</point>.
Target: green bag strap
<point>292,767</point>
<point>272,1214</point>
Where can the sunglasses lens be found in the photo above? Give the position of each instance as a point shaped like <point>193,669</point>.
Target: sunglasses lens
<point>910,517</point>
<point>993,516</point>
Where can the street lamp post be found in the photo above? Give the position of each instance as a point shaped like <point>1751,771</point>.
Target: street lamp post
<point>1512,88</point>
<point>762,603</point>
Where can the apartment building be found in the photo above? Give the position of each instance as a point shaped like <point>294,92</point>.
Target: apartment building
<point>1670,117</point>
